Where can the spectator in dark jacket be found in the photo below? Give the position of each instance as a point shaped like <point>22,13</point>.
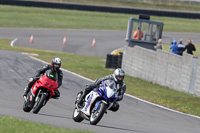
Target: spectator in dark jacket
<point>190,47</point>
<point>181,47</point>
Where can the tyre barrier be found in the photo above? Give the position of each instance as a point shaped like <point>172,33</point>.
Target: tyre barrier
<point>99,8</point>
<point>113,61</point>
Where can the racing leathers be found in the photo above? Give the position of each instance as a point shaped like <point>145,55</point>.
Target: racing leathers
<point>120,86</point>
<point>37,75</point>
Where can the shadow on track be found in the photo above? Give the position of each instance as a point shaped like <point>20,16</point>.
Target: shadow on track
<point>55,116</point>
<point>118,128</point>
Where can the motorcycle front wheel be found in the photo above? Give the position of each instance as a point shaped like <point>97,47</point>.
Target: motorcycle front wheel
<point>39,103</point>
<point>76,116</point>
<point>96,115</point>
<point>26,105</point>
<point>26,108</point>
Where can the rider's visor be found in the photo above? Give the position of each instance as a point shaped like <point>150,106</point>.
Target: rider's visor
<point>120,78</point>
<point>56,65</point>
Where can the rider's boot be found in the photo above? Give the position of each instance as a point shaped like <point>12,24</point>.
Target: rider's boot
<point>28,87</point>
<point>87,91</point>
<point>80,101</point>
<point>26,90</point>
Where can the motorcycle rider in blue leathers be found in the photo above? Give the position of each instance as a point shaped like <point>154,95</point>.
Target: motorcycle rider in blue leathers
<point>118,77</point>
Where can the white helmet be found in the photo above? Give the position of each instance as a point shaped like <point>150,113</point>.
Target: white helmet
<point>119,75</point>
<point>56,63</point>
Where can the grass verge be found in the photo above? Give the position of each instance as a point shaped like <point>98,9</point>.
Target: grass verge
<point>29,17</point>
<point>12,125</point>
<point>94,67</point>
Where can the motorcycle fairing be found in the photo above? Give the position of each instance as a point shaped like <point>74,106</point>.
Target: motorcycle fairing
<point>107,93</point>
<point>92,97</point>
<point>104,92</point>
<point>45,82</point>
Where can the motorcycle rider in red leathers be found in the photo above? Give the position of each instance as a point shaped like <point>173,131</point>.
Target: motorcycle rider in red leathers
<point>55,65</point>
<point>118,77</point>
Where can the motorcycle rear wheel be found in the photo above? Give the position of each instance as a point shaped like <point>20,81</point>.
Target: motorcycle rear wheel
<point>39,104</point>
<point>96,116</point>
<point>76,116</point>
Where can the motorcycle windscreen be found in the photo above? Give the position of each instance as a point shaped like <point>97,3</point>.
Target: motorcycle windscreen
<point>110,90</point>
<point>49,80</point>
<point>52,75</point>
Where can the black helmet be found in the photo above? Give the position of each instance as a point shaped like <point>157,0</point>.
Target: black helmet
<point>119,75</point>
<point>56,63</point>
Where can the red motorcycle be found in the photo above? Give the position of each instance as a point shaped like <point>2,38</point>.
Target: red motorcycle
<point>41,92</point>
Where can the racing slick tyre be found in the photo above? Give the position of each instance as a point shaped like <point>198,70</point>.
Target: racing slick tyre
<point>76,116</point>
<point>26,108</point>
<point>39,103</point>
<point>96,115</point>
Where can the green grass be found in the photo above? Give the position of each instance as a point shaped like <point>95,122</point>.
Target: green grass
<point>12,125</point>
<point>29,17</point>
<point>145,90</point>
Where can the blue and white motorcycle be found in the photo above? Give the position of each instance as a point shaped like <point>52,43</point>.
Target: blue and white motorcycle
<point>96,103</point>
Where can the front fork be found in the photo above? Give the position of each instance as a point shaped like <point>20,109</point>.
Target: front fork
<point>39,95</point>
<point>97,104</point>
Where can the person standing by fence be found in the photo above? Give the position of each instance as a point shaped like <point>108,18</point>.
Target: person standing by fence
<point>181,47</point>
<point>190,47</point>
<point>174,47</point>
<point>159,44</point>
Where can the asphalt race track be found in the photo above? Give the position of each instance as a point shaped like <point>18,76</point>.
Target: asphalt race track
<point>134,116</point>
<point>80,41</point>
<point>77,41</point>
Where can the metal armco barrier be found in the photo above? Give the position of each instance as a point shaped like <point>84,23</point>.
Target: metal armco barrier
<point>101,8</point>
